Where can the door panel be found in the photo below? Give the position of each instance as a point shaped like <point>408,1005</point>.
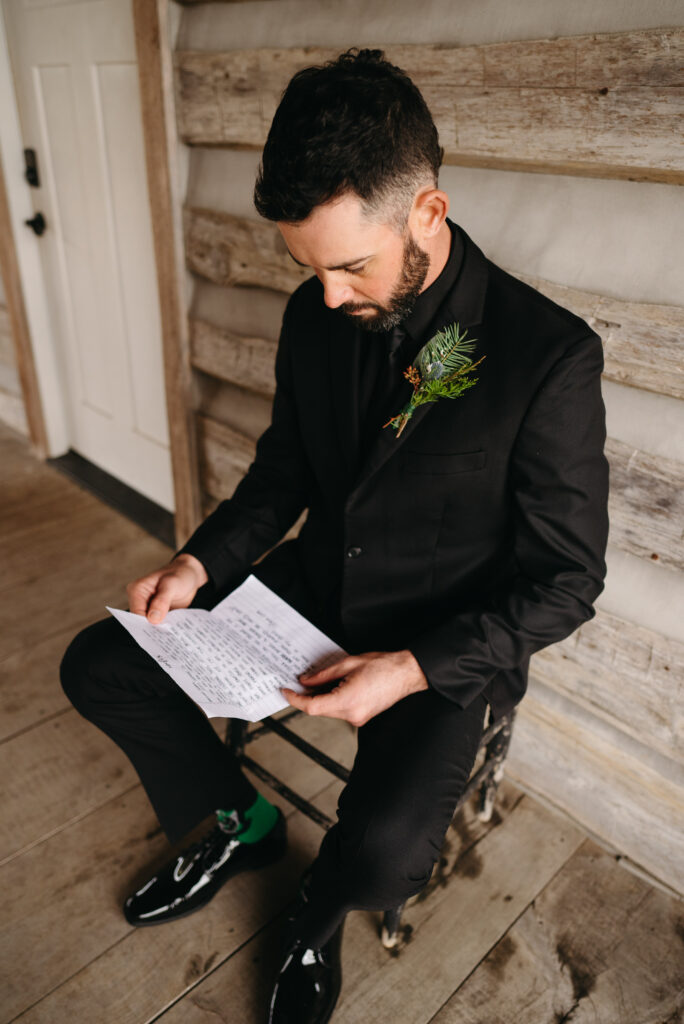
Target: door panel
<point>76,79</point>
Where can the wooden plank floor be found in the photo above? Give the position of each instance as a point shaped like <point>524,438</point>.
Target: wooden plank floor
<point>525,920</point>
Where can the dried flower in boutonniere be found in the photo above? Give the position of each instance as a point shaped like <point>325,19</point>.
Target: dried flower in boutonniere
<point>440,370</point>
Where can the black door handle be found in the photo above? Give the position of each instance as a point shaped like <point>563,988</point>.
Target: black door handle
<point>31,172</point>
<point>37,223</point>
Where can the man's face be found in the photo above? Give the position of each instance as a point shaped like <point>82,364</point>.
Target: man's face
<point>368,271</point>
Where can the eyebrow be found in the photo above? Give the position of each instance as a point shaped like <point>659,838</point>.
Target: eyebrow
<point>339,266</point>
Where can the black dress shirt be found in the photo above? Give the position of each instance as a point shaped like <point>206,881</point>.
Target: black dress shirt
<point>383,390</point>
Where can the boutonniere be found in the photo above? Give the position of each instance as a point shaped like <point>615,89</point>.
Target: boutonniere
<point>441,369</point>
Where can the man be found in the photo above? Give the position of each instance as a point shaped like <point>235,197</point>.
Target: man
<point>440,556</point>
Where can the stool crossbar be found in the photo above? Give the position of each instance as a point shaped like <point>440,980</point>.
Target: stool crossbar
<point>492,753</point>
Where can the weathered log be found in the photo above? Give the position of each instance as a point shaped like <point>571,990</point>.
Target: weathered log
<point>607,105</point>
<point>232,250</point>
<point>248,362</point>
<point>245,411</point>
<point>625,674</point>
<point>7,357</point>
<point>192,3</point>
<point>642,341</point>
<point>225,457</point>
<point>12,411</point>
<point>615,788</point>
<point>646,504</point>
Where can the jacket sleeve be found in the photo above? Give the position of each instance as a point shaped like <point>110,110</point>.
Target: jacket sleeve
<point>269,498</point>
<point>559,482</point>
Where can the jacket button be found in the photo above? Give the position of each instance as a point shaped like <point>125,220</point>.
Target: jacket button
<point>353,552</point>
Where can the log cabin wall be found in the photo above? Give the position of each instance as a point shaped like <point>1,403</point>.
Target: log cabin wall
<point>562,125</point>
<point>11,400</point>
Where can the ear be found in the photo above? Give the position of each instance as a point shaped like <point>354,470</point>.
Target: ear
<point>430,208</point>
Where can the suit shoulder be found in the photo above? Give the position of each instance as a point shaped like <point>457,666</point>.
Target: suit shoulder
<point>511,297</point>
<point>305,303</point>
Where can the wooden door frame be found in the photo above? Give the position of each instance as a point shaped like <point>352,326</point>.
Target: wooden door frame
<point>22,275</point>
<point>151,19</point>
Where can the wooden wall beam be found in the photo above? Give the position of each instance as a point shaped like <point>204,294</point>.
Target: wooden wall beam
<point>7,356</point>
<point>646,503</point>
<point>225,457</point>
<point>193,3</point>
<point>643,342</point>
<point>12,407</point>
<point>18,323</point>
<point>612,786</point>
<point>231,250</point>
<point>158,117</point>
<point>628,675</point>
<point>247,362</point>
<point>606,105</point>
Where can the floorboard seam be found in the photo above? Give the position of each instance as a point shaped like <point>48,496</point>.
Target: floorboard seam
<point>47,636</point>
<point>62,828</point>
<point>41,721</point>
<point>45,639</point>
<point>466,849</point>
<point>215,967</point>
<point>75,974</point>
<point>513,923</point>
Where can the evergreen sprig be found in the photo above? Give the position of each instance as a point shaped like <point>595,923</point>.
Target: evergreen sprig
<point>440,370</point>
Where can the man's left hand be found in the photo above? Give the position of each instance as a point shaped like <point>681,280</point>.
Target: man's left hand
<point>367,684</point>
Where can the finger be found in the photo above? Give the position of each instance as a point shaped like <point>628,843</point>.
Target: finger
<point>137,602</point>
<point>327,704</point>
<point>325,675</point>
<point>297,700</point>
<point>162,600</point>
<point>139,593</point>
<point>292,698</point>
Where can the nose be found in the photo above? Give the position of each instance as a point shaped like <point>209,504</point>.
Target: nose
<point>336,292</point>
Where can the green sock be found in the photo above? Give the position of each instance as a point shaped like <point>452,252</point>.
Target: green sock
<point>259,819</point>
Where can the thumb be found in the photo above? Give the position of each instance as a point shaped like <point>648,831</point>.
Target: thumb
<point>326,674</point>
<point>162,601</point>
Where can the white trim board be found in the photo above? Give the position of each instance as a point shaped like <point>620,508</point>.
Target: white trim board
<point>28,258</point>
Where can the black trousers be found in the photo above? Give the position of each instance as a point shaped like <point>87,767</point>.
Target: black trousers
<point>411,767</point>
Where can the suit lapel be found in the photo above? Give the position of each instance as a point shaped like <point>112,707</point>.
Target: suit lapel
<point>344,351</point>
<point>463,305</point>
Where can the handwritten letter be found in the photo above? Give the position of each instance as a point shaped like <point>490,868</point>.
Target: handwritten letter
<point>233,660</point>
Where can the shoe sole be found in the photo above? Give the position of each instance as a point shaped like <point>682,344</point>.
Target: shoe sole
<point>323,1020</point>
<point>266,859</point>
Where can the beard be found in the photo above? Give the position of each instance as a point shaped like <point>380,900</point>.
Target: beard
<point>414,268</point>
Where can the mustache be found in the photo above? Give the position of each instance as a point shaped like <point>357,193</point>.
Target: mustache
<point>359,307</point>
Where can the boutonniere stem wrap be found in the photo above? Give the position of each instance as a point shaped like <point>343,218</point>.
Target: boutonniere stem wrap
<point>441,369</point>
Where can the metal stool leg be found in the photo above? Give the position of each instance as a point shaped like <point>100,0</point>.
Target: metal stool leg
<point>236,732</point>
<point>390,926</point>
<point>497,751</point>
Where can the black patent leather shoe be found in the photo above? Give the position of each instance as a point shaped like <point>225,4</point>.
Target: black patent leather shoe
<point>308,984</point>
<point>188,882</point>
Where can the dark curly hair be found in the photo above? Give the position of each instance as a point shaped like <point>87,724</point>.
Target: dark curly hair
<point>356,124</point>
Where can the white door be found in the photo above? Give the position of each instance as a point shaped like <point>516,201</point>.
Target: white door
<point>76,80</point>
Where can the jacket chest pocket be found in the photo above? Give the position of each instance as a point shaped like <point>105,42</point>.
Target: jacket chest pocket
<point>442,463</point>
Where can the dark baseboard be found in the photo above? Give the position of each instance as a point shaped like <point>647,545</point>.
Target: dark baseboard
<point>152,517</point>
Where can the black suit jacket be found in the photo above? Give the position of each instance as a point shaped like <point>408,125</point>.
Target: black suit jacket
<point>475,538</point>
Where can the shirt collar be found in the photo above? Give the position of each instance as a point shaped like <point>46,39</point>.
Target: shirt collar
<point>429,302</point>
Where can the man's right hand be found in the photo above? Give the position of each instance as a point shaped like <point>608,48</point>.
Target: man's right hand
<point>172,586</point>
